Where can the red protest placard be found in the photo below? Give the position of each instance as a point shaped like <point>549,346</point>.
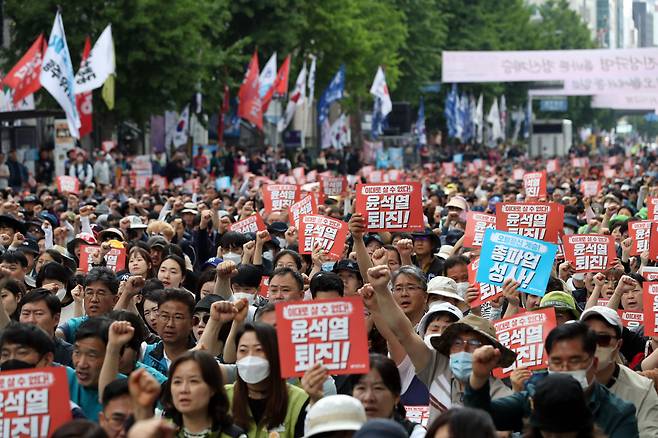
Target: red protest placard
<point>192,185</point>
<point>31,401</point>
<point>517,174</point>
<point>628,166</point>
<point>115,259</point>
<point>590,252</point>
<point>160,182</point>
<point>488,292</point>
<point>553,166</point>
<point>652,209</point>
<point>590,188</point>
<point>332,186</point>
<point>653,242</point>
<point>525,334</point>
<point>395,175</point>
<point>330,233</point>
<point>251,224</point>
<point>264,287</point>
<point>278,197</point>
<point>640,232</point>
<point>299,173</point>
<point>68,184</point>
<point>391,207</point>
<point>650,307</point>
<point>376,176</point>
<point>449,169</point>
<point>650,273</point>
<point>307,205</point>
<point>331,331</point>
<point>540,221</point>
<point>560,246</point>
<point>534,185</point>
<point>579,162</point>
<point>631,320</point>
<point>476,223</point>
<point>609,172</point>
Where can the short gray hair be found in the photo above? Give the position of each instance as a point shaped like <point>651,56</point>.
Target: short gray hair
<point>412,271</point>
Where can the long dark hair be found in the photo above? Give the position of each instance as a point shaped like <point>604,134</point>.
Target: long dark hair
<point>390,376</point>
<point>464,423</point>
<point>276,405</point>
<point>218,405</point>
<point>145,255</point>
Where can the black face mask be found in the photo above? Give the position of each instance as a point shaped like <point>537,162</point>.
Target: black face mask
<point>15,364</point>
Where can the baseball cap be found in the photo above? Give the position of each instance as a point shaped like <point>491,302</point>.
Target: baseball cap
<point>445,287</point>
<point>189,207</point>
<point>30,246</point>
<point>136,223</point>
<point>212,261</point>
<point>560,300</point>
<point>347,265</point>
<point>445,251</point>
<point>157,242</point>
<point>335,413</point>
<point>205,303</point>
<point>608,314</point>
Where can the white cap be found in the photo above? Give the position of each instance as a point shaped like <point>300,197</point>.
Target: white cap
<point>335,413</point>
<point>445,251</point>
<point>610,315</point>
<point>136,223</point>
<point>190,207</point>
<point>434,309</point>
<point>445,287</point>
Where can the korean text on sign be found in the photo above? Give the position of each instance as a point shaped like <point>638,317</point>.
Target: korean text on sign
<point>640,232</point>
<point>115,259</point>
<point>251,224</point>
<point>540,221</point>
<point>68,184</point>
<point>330,331</point>
<point>391,207</point>
<point>590,252</point>
<point>535,185</point>
<point>476,224</point>
<point>631,320</point>
<point>487,292</point>
<point>650,307</point>
<point>505,255</point>
<point>333,186</point>
<point>278,197</point>
<point>307,205</point>
<point>525,335</point>
<point>31,402</point>
<point>652,209</point>
<point>328,232</point>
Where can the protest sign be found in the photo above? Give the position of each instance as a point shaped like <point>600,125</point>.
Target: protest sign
<point>68,184</point>
<point>579,162</point>
<point>525,334</point>
<point>650,273</point>
<point>552,166</point>
<point>609,172</point>
<point>540,221</point>
<point>418,414</point>
<point>534,184</point>
<point>192,185</point>
<point>307,205</point>
<point>264,287</point>
<point>590,188</point>
<point>590,252</point>
<point>653,242</point>
<point>476,224</point>
<point>160,182</point>
<point>631,320</point>
<point>650,308</point>
<point>391,207</point>
<point>332,186</point>
<point>526,260</point>
<point>115,259</point>
<point>652,209</point>
<point>640,232</point>
<point>449,169</point>
<point>328,232</point>
<point>251,224</point>
<point>299,173</point>
<point>331,331</point>
<point>487,292</point>
<point>518,173</point>
<point>33,402</point>
<point>376,176</point>
<point>278,197</point>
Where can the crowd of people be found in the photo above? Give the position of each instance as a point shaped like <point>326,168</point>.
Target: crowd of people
<point>179,339</point>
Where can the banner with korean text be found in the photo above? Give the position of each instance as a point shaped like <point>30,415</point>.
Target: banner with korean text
<point>391,207</point>
<point>68,184</point>
<point>590,252</point>
<point>650,308</point>
<point>251,224</point>
<point>307,205</point>
<point>540,221</point>
<point>278,197</point>
<point>534,184</point>
<point>328,232</point>
<point>115,259</point>
<point>487,292</point>
<point>640,232</point>
<point>476,224</point>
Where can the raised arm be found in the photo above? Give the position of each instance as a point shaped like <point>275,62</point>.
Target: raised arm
<point>119,334</point>
<point>225,270</point>
<point>357,226</point>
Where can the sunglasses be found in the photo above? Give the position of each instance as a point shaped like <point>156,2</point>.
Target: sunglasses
<point>603,340</point>
<point>197,320</point>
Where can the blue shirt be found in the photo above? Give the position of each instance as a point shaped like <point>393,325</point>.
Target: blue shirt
<point>86,398</point>
<point>70,328</point>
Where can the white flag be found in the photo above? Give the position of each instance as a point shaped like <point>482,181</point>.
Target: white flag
<point>98,66</point>
<point>296,98</point>
<point>182,127</point>
<point>380,90</point>
<point>494,119</point>
<point>503,116</point>
<point>267,76</point>
<point>57,75</point>
<point>340,132</point>
<point>479,119</point>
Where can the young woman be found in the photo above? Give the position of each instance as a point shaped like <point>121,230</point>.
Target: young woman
<point>139,262</point>
<point>195,400</point>
<point>48,255</point>
<point>379,392</point>
<point>172,272</point>
<point>262,402</point>
<point>11,292</point>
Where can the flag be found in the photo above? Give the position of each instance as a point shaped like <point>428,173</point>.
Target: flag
<point>249,107</point>
<point>24,77</point>
<point>182,127</point>
<point>222,113</point>
<point>296,98</point>
<point>267,76</point>
<point>108,92</point>
<point>57,74</point>
<point>84,101</point>
<point>450,111</point>
<point>332,93</point>
<point>311,93</point>
<point>280,86</point>
<point>518,117</point>
<point>98,66</point>
<point>503,116</point>
<point>198,102</point>
<point>527,120</point>
<point>340,132</point>
<point>494,119</point>
<point>420,123</point>
<point>382,105</point>
<point>479,119</point>
<point>460,119</point>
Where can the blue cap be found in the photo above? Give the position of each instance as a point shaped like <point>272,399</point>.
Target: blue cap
<point>212,261</point>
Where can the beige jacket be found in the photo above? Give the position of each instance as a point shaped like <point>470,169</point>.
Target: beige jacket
<point>637,389</point>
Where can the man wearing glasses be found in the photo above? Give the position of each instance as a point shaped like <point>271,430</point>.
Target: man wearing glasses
<point>619,379</point>
<point>571,350</point>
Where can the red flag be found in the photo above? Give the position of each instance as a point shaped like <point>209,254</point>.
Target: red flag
<point>280,86</point>
<point>84,101</point>
<point>222,113</point>
<point>250,107</point>
<point>24,77</point>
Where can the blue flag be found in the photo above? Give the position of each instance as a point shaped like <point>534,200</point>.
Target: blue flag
<point>527,120</point>
<point>450,111</point>
<point>420,123</point>
<point>333,92</point>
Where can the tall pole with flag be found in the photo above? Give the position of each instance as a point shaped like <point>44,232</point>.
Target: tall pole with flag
<point>295,99</point>
<point>420,123</point>
<point>382,105</point>
<point>311,96</point>
<point>249,107</point>
<point>23,78</point>
<point>84,101</point>
<point>334,91</point>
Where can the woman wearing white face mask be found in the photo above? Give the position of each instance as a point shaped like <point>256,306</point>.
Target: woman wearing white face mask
<point>261,401</point>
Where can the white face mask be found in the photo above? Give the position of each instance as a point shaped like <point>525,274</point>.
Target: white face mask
<point>268,255</point>
<point>461,288</point>
<point>428,339</point>
<point>61,293</point>
<point>244,295</point>
<point>232,257</point>
<point>579,375</point>
<point>253,369</point>
<point>604,354</point>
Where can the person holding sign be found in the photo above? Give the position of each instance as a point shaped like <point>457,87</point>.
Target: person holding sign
<point>571,351</point>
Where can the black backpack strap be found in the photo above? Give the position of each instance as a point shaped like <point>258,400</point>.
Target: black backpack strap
<point>234,431</point>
